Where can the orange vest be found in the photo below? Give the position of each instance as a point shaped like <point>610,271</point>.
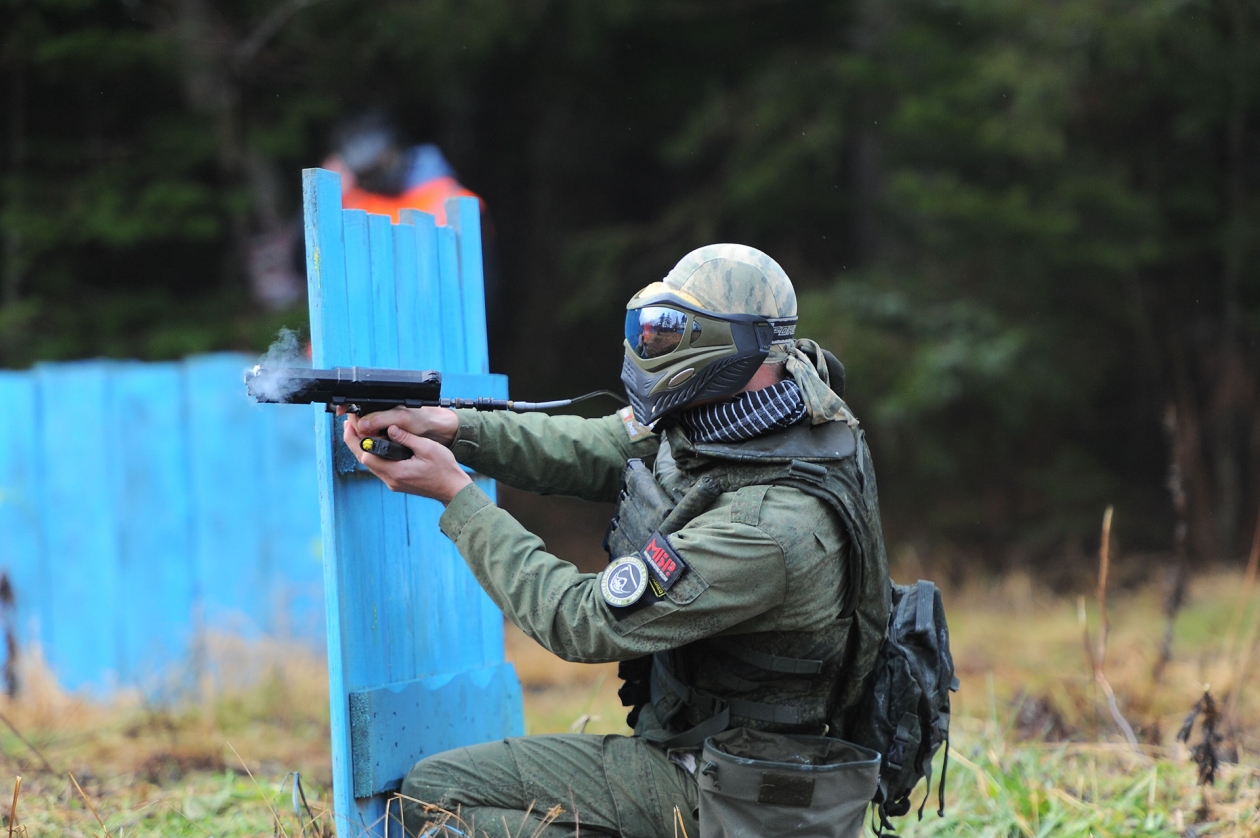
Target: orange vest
<point>429,197</point>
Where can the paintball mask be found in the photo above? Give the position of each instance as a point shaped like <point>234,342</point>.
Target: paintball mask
<point>370,147</point>
<point>701,333</point>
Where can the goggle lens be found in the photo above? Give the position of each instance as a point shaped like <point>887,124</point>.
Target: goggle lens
<point>653,331</point>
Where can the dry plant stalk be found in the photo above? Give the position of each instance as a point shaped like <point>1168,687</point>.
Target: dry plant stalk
<point>274,814</point>
<point>678,823</point>
<point>38,753</point>
<point>1097,654</point>
<point>91,808</point>
<point>17,787</point>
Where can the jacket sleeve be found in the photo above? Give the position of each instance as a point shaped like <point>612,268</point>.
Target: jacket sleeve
<point>551,455</point>
<point>735,572</point>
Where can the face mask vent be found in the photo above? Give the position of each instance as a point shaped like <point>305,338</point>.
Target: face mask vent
<point>718,380</point>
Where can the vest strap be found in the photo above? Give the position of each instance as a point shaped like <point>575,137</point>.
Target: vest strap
<point>767,661</point>
<point>711,705</point>
<point>694,737</point>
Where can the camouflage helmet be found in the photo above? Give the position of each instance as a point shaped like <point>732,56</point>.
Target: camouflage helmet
<point>700,333</point>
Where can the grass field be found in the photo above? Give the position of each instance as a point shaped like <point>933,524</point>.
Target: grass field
<point>1034,749</point>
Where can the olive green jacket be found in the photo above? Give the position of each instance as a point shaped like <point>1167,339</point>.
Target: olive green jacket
<point>760,559</point>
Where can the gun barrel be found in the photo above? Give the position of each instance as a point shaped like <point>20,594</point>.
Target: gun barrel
<point>370,389</point>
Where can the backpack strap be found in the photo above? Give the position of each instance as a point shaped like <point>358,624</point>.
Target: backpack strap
<point>926,598</point>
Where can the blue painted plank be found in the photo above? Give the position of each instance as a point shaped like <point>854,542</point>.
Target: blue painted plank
<point>485,644</point>
<point>464,217</point>
<point>79,533</point>
<point>290,525</point>
<point>406,302</point>
<point>422,313</point>
<point>394,726</point>
<point>446,566</point>
<point>21,514</point>
<point>418,348</point>
<point>394,591</point>
<point>363,495</point>
<point>427,554</point>
<point>454,354</point>
<point>358,324</point>
<point>385,352</point>
<point>233,570</point>
<point>153,505</point>
<point>325,277</point>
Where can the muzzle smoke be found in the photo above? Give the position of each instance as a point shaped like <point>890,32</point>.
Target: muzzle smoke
<point>287,352</point>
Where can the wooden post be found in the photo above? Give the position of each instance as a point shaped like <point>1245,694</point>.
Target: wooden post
<point>415,647</point>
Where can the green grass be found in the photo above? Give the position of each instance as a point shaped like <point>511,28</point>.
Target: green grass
<point>186,771</point>
<point>996,789</point>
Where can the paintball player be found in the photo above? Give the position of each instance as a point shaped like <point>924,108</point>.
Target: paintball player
<point>747,584</point>
<point>380,175</point>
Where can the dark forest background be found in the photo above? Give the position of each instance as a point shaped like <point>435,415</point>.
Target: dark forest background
<point>1029,227</point>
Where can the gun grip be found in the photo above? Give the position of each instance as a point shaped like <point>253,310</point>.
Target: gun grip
<point>385,449</point>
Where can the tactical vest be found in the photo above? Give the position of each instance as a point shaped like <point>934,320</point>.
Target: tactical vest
<point>791,682</point>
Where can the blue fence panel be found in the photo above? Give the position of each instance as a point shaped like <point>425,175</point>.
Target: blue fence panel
<point>290,525</point>
<point>415,647</point>
<point>21,513</point>
<point>153,509</point>
<point>231,566</point>
<point>150,503</point>
<point>77,438</point>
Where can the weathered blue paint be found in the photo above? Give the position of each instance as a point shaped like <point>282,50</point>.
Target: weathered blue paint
<point>21,509</point>
<point>78,496</point>
<point>465,220</point>
<point>393,727</point>
<point>232,571</point>
<point>150,504</point>
<point>157,583</point>
<point>402,606</point>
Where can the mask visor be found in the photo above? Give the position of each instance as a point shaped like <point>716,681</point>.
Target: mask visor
<point>654,331</point>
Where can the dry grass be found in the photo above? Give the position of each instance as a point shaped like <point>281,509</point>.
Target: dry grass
<point>1034,749</point>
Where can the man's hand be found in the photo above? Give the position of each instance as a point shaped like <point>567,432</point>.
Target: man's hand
<point>435,423</point>
<point>432,472</point>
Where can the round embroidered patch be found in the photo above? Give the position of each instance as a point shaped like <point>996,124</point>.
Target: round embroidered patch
<point>624,581</point>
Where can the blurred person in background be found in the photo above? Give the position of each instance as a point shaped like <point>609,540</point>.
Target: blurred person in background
<point>747,585</point>
<point>382,174</point>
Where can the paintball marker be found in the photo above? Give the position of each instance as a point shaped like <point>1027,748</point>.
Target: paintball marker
<point>363,390</point>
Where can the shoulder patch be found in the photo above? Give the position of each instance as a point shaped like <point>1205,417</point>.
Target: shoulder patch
<point>634,429</point>
<point>663,561</point>
<point>624,581</point>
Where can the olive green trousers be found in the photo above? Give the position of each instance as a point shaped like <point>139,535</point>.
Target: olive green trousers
<point>602,785</point>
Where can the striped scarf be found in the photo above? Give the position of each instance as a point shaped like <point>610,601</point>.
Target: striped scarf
<point>746,416</point>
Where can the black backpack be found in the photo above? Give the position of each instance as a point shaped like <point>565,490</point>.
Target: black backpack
<point>904,713</point>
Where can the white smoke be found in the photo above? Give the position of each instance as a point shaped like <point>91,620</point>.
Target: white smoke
<point>271,381</point>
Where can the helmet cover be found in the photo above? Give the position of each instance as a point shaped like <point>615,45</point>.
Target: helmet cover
<point>700,333</point>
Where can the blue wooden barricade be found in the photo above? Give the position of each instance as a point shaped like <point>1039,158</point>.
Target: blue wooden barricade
<point>415,647</point>
<point>142,505</point>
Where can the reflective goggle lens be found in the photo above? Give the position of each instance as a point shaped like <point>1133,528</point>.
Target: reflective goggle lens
<point>653,331</point>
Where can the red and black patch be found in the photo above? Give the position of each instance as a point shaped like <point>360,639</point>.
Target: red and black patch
<point>663,560</point>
